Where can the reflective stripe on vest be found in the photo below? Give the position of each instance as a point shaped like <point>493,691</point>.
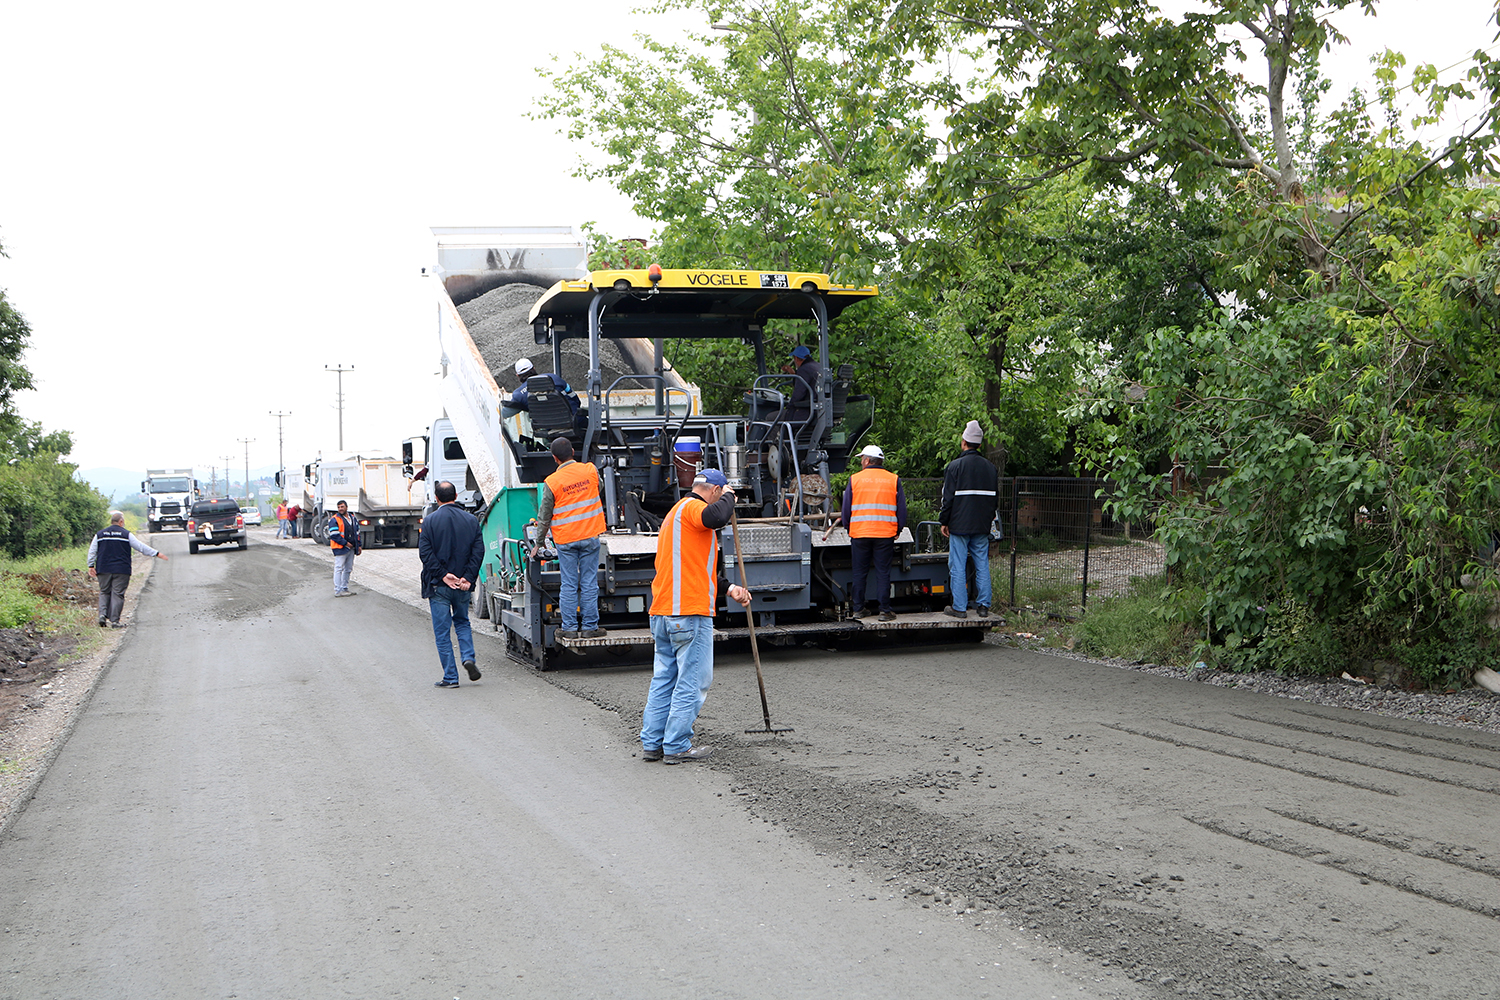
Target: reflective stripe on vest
<point>577,512</point>
<point>872,510</point>
<point>687,554</point>
<point>345,523</point>
<point>113,557</point>
<point>975,493</point>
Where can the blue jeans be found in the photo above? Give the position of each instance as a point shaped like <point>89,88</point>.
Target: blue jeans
<point>579,563</point>
<point>960,548</point>
<point>679,682</point>
<point>865,554</point>
<point>450,610</point>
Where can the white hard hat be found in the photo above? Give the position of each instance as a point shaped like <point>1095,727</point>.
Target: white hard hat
<point>872,451</point>
<point>524,365</point>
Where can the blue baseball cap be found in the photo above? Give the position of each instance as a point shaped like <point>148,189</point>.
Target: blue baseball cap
<point>713,477</point>
<point>803,352</point>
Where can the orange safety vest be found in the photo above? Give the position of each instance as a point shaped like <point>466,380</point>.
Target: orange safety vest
<point>687,562</point>
<point>576,511</point>
<point>346,522</point>
<point>872,511</point>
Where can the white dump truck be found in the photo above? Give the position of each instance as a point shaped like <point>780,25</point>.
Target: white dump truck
<point>387,503</point>
<point>170,494</point>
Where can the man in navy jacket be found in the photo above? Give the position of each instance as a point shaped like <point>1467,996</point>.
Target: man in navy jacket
<point>970,498</point>
<point>451,548</point>
<point>109,562</point>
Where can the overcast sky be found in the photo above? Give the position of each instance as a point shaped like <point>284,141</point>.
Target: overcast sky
<point>206,204</point>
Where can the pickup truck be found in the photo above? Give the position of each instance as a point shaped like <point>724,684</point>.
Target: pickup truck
<point>216,522</point>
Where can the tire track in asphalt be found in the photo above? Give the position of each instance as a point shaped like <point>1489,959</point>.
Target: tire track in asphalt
<point>1319,775</point>
<point>1425,752</point>
<point>1436,852</point>
<point>1329,755</point>
<point>1367,723</point>
<point>1392,873</point>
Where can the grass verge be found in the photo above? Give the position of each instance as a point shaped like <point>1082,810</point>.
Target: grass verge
<point>50,592</point>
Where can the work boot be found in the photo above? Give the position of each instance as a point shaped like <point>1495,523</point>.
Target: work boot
<point>473,669</point>
<point>951,613</point>
<point>984,611</point>
<point>593,633</point>
<point>887,616</point>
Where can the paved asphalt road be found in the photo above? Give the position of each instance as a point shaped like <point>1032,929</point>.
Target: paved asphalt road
<point>267,798</point>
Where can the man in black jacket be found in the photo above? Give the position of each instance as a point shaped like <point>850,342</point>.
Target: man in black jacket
<point>970,498</point>
<point>109,563</point>
<point>451,548</point>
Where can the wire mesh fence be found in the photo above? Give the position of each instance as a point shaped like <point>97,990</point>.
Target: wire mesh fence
<point>1060,550</point>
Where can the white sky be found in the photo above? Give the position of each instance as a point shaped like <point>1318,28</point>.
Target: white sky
<point>205,204</point>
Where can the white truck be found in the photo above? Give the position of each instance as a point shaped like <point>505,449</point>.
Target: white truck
<point>441,453</point>
<point>387,503</point>
<point>170,494</point>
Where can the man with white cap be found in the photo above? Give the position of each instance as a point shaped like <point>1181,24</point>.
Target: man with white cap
<point>521,398</point>
<point>684,597</point>
<point>874,511</point>
<point>970,498</point>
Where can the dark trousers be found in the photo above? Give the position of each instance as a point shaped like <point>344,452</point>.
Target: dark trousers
<point>112,595</point>
<point>863,552</point>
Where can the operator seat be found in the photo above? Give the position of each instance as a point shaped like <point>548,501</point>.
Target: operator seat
<point>551,415</point>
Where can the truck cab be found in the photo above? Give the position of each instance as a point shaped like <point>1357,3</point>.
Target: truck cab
<point>170,495</point>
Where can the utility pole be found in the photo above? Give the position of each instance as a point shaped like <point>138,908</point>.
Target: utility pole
<point>340,372</point>
<point>280,452</point>
<point>227,460</point>
<point>246,442</point>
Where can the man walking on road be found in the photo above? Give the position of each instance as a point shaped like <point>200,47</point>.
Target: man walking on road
<point>874,511</point>
<point>451,548</point>
<point>570,507</point>
<point>970,498</point>
<point>683,598</point>
<point>344,540</point>
<point>109,562</point>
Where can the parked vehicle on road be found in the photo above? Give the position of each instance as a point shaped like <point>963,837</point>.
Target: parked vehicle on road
<point>251,515</point>
<point>170,494</point>
<point>216,522</point>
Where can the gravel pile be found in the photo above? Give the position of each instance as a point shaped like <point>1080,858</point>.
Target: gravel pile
<point>497,320</point>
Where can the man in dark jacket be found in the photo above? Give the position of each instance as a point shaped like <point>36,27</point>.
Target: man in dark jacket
<point>451,548</point>
<point>970,498</point>
<point>109,562</point>
<point>805,388</point>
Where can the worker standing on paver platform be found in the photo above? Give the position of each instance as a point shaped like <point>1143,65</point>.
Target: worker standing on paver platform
<point>970,498</point>
<point>874,511</point>
<point>570,506</point>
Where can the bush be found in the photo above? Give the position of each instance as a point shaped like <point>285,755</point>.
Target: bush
<point>1294,640</point>
<point>42,507</point>
<point>1150,622</point>
<point>18,605</point>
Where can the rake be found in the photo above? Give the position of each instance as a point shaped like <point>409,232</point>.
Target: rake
<point>765,708</point>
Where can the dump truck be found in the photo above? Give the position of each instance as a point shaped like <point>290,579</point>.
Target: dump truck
<point>646,431</point>
<point>170,494</point>
<point>387,503</point>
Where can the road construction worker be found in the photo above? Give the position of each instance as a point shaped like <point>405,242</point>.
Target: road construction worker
<point>109,563</point>
<point>570,506</point>
<point>970,498</point>
<point>874,511</point>
<point>684,596</point>
<point>344,540</point>
<point>806,385</point>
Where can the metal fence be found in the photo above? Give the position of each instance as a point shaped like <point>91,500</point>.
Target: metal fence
<point>1060,548</point>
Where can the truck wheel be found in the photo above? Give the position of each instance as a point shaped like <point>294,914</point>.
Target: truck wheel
<point>193,548</point>
<point>244,544</point>
<point>153,526</point>
<point>482,596</point>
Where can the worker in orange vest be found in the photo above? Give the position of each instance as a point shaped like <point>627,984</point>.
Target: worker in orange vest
<point>684,596</point>
<point>571,508</point>
<point>874,511</point>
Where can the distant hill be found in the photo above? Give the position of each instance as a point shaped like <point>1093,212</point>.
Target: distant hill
<point>117,484</point>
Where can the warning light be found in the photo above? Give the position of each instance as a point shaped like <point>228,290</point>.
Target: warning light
<point>654,273</point>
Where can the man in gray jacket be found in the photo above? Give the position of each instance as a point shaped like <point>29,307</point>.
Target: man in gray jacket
<point>970,498</point>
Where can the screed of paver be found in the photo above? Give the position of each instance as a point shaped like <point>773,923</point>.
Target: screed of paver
<point>267,797</point>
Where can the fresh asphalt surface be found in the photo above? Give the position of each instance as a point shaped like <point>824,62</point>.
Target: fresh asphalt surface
<point>268,798</point>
